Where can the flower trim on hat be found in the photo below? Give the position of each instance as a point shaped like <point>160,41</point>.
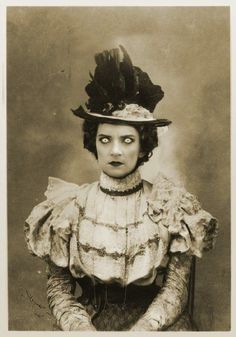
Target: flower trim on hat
<point>133,111</point>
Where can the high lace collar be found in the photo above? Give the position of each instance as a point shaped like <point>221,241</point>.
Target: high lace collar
<point>119,187</point>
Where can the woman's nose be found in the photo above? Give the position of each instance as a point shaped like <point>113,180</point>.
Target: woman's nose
<point>116,149</point>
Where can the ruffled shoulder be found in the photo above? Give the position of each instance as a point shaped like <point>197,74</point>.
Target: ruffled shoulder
<point>192,229</point>
<point>51,223</point>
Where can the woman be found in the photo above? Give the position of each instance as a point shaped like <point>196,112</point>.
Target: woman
<point>128,243</point>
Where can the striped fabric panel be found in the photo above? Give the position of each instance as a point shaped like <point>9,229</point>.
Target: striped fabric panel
<point>116,255</point>
<point>115,227</point>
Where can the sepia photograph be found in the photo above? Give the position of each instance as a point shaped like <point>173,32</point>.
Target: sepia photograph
<point>118,168</point>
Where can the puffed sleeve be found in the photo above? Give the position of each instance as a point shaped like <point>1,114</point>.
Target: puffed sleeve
<point>50,232</point>
<point>50,225</point>
<point>192,230</point>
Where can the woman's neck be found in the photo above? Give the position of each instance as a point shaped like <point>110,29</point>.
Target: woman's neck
<point>121,186</point>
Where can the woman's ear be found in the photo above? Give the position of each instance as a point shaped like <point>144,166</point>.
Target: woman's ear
<point>141,154</point>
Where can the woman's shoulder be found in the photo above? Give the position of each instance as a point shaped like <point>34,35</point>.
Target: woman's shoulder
<point>192,229</point>
<point>59,194</point>
<point>160,181</point>
<point>163,189</point>
<point>51,223</point>
<point>59,189</point>
<point>170,192</point>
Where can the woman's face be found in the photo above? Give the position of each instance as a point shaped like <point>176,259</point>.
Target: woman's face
<point>118,149</point>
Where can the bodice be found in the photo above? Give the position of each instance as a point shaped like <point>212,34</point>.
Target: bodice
<point>117,240</point>
<point>118,230</point>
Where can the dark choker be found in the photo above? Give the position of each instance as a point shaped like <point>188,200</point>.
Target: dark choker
<point>116,193</point>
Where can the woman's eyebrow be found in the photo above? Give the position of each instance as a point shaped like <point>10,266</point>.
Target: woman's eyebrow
<point>122,136</point>
<point>103,135</point>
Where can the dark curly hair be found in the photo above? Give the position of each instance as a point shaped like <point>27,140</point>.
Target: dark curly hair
<point>147,134</point>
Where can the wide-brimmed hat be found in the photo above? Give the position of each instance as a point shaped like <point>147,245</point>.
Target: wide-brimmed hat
<point>120,92</point>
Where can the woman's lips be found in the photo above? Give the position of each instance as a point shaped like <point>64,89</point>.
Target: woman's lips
<point>115,163</point>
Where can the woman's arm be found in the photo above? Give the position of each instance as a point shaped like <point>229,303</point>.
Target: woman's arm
<point>171,300</point>
<point>70,315</point>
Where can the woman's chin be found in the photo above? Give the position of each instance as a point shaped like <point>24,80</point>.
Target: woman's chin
<point>117,172</point>
<point>116,175</point>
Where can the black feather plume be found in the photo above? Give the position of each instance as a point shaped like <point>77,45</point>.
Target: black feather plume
<point>117,82</point>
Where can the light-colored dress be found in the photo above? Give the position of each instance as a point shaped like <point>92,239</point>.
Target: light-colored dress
<point>115,237</point>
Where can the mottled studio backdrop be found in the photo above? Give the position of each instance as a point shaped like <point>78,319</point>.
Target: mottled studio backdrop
<point>49,54</point>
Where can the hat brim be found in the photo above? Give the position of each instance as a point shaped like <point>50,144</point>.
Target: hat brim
<point>81,112</point>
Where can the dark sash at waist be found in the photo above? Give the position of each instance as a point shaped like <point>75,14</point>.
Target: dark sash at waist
<point>115,293</point>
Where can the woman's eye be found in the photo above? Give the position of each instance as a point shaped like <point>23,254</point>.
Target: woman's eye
<point>128,140</point>
<point>104,140</point>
